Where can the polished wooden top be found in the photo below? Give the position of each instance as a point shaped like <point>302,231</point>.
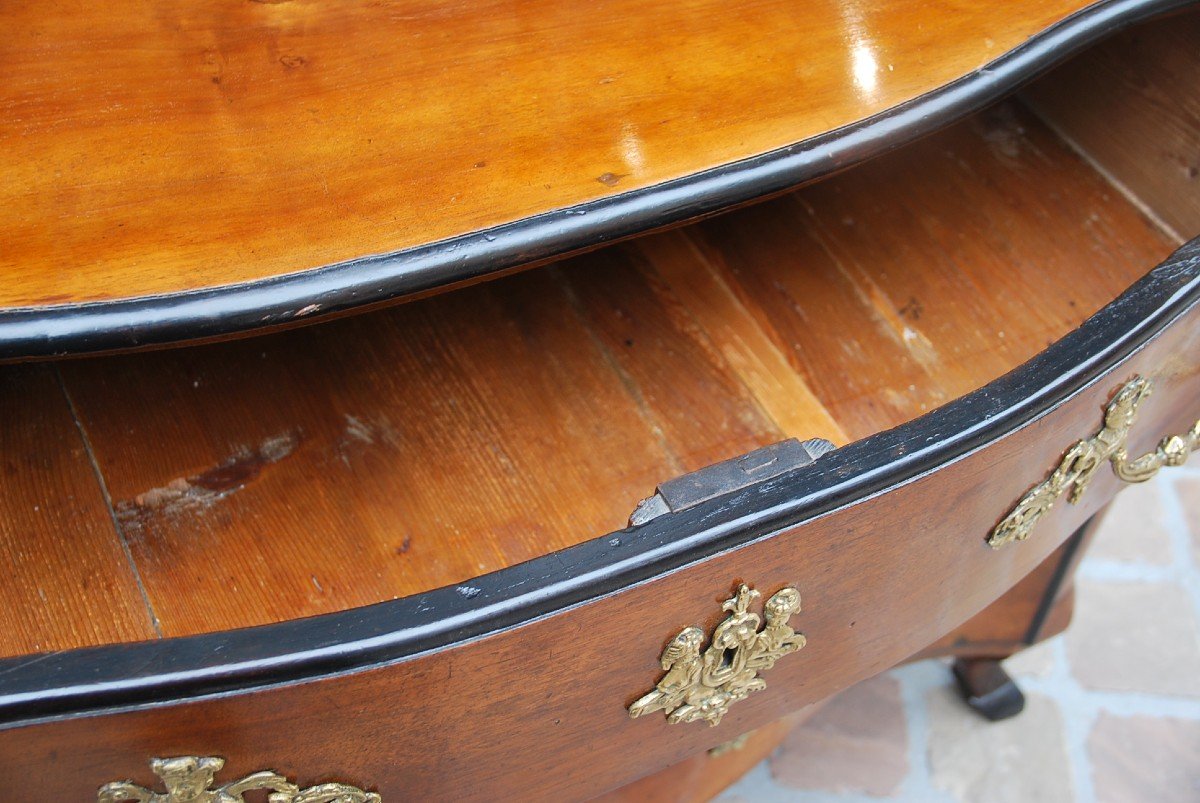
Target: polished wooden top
<point>159,148</point>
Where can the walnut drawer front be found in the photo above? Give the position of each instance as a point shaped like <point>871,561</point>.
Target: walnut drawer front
<point>520,684</point>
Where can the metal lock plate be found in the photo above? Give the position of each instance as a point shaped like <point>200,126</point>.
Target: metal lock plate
<point>728,476</point>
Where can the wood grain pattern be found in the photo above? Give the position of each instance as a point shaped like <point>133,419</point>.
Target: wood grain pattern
<point>1146,133</point>
<point>747,343</point>
<point>687,389</point>
<point>1004,628</point>
<point>393,453</point>
<point>998,631</point>
<point>162,148</point>
<point>546,701</point>
<point>704,776</point>
<point>418,447</point>
<point>356,463</point>
<point>67,581</point>
<point>890,303</point>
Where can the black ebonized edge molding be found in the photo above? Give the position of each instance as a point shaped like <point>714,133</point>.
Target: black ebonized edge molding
<point>87,681</point>
<point>39,332</point>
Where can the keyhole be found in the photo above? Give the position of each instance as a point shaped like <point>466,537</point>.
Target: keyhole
<point>727,656</point>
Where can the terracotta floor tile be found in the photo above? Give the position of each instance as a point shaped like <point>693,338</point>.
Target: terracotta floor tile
<point>1141,758</point>
<point>1134,530</point>
<point>1037,661</point>
<point>1188,492</point>
<point>1140,637</point>
<point>1019,760</point>
<point>857,743</point>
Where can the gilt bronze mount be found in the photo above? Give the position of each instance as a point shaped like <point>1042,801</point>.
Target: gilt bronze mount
<point>1081,462</point>
<point>190,779</point>
<point>701,684</point>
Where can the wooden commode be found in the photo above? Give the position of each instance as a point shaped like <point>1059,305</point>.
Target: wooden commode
<point>746,352</point>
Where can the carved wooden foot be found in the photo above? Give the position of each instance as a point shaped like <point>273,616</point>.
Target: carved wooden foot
<point>987,688</point>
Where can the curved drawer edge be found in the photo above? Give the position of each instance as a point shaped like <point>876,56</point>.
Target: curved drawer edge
<point>80,682</point>
<point>323,292</point>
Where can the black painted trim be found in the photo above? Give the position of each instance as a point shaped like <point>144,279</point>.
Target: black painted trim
<point>29,333</point>
<point>124,676</point>
<point>1049,596</point>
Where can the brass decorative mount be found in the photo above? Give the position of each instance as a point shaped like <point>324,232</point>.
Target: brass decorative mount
<point>190,779</point>
<point>1081,462</point>
<point>703,684</point>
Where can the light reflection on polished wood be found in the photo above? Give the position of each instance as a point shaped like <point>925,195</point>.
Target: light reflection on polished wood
<point>160,147</point>
<point>584,385</point>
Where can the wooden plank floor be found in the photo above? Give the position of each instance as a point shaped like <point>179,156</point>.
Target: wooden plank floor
<point>67,578</point>
<point>402,450</point>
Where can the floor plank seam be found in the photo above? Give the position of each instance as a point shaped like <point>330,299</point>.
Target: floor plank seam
<point>108,503</point>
